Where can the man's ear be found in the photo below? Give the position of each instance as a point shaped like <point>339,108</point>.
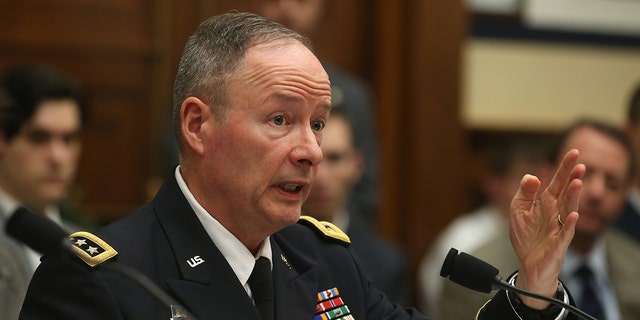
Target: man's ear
<point>193,117</point>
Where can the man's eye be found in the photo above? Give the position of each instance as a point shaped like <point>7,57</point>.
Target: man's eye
<point>37,137</point>
<point>333,157</point>
<point>317,125</point>
<point>279,120</point>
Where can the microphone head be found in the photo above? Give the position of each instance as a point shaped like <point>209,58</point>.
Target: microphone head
<point>36,231</point>
<point>469,271</point>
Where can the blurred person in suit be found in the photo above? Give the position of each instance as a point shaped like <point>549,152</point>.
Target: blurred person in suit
<point>347,92</point>
<point>383,262</point>
<point>41,115</point>
<point>505,160</point>
<point>613,258</point>
<point>629,220</point>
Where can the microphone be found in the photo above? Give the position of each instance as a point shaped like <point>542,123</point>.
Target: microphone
<point>38,232</point>
<point>478,275</point>
<point>47,237</point>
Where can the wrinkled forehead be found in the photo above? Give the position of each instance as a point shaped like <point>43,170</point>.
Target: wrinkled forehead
<point>286,63</point>
<point>289,52</point>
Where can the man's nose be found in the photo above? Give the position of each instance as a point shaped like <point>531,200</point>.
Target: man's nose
<point>59,150</point>
<point>307,150</point>
<point>594,187</point>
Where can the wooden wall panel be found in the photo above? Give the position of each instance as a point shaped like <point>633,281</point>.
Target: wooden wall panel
<point>77,24</point>
<point>106,45</point>
<point>423,146</point>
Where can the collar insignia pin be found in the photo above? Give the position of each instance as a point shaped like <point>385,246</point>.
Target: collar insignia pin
<point>285,261</point>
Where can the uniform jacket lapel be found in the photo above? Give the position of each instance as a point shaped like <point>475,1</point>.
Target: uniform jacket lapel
<point>296,281</point>
<point>205,284</point>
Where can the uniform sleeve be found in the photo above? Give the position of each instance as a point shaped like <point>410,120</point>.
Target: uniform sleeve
<point>505,305</point>
<point>65,289</point>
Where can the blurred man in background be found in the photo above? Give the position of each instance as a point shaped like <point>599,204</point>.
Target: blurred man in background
<point>629,220</point>
<point>602,266</point>
<point>337,175</point>
<point>505,161</point>
<point>40,121</point>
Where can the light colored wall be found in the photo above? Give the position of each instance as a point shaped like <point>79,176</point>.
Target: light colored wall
<point>542,87</point>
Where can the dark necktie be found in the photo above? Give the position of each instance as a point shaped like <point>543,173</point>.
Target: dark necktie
<point>589,302</point>
<point>261,283</point>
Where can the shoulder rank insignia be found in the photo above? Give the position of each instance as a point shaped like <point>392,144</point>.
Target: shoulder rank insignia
<point>91,249</point>
<point>327,229</point>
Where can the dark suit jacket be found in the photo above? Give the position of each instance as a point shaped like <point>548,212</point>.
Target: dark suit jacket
<point>160,239</point>
<point>15,273</point>
<point>383,263</point>
<point>629,221</point>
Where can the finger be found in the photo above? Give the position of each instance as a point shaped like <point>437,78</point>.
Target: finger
<point>568,198</point>
<point>575,186</point>
<point>568,229</point>
<point>578,171</point>
<point>572,196</point>
<point>526,193</point>
<point>564,173</point>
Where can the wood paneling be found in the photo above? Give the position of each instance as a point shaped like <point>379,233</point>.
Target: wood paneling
<point>423,174</point>
<point>106,45</point>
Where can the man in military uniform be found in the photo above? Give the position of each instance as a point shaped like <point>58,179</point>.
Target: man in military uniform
<point>251,101</point>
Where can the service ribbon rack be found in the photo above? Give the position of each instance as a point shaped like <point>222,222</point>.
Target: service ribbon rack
<point>330,306</point>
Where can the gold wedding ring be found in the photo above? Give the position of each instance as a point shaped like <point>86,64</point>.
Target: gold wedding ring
<point>560,220</point>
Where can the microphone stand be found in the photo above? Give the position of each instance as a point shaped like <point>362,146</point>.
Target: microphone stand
<point>134,275</point>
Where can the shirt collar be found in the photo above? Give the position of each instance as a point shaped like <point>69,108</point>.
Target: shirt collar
<point>9,204</point>
<point>341,219</point>
<point>596,259</point>
<point>634,198</point>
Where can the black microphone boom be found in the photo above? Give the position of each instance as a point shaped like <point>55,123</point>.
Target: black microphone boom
<point>37,231</point>
<point>469,271</point>
<point>478,275</point>
<point>43,235</point>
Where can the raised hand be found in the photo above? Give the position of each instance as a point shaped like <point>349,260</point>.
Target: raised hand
<point>542,226</point>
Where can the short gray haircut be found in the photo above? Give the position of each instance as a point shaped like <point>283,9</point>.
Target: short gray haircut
<point>214,53</point>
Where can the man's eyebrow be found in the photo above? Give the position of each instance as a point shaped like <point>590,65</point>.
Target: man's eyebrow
<point>41,130</point>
